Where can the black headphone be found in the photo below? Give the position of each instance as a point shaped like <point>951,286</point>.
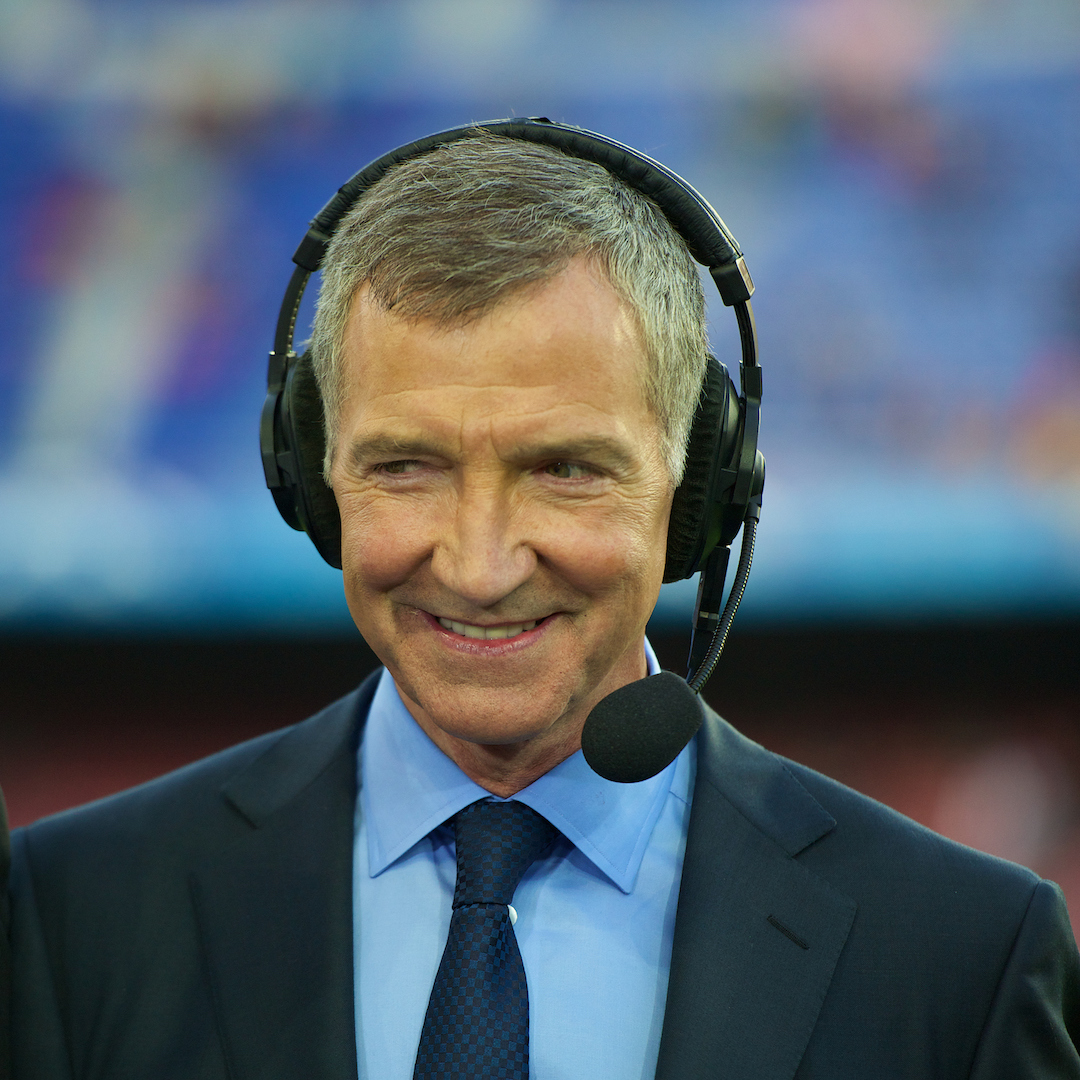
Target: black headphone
<point>724,474</point>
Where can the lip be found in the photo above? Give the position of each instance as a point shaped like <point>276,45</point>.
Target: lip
<point>493,646</point>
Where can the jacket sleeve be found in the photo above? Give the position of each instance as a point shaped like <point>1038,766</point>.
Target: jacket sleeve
<point>5,948</point>
<point>39,1048</point>
<point>1033,1027</point>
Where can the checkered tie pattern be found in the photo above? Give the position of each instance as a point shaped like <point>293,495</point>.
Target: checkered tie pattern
<point>477,1022</point>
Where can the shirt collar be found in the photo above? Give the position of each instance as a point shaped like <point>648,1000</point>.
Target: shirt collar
<point>408,787</point>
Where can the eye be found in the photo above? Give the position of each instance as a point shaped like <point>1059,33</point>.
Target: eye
<point>568,470</point>
<point>399,468</point>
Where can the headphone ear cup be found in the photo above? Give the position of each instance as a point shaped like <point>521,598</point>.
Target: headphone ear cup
<point>713,440</point>
<point>304,421</point>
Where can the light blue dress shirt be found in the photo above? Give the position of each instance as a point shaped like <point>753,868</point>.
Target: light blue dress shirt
<point>596,915</point>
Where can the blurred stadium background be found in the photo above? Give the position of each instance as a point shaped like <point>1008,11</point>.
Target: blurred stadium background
<point>904,178</point>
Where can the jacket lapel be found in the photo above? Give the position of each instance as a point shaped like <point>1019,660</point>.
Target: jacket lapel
<point>274,904</point>
<point>757,936</point>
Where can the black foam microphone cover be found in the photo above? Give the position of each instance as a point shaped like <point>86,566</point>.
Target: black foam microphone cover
<point>639,729</point>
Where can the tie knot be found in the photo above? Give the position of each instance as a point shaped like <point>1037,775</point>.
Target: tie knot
<point>496,843</point>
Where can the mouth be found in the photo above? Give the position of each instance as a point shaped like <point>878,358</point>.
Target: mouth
<point>488,633</point>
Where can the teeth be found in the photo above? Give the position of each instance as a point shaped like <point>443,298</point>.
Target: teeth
<point>487,633</point>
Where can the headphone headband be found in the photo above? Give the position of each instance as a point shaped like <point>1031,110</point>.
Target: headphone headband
<point>701,227</point>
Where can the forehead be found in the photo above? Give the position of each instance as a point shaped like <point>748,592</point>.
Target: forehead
<point>568,350</point>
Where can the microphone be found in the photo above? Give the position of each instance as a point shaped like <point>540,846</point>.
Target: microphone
<point>639,729</point>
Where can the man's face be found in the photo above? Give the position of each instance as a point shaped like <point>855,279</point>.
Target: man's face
<point>504,508</point>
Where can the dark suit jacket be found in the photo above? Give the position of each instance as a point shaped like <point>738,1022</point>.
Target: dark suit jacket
<point>200,926</point>
<point>5,954</point>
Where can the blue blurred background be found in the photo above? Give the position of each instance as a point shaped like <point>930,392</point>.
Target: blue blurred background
<point>903,177</point>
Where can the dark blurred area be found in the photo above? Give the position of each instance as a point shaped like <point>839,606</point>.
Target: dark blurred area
<point>971,728</point>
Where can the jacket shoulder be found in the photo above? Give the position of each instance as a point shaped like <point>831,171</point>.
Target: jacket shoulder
<point>918,895</point>
<point>177,810</point>
<point>847,836</point>
<point>900,851</point>
<point>943,938</point>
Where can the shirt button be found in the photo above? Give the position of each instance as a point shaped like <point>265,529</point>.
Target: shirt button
<point>513,914</point>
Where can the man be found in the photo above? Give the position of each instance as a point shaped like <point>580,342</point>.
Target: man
<point>509,346</point>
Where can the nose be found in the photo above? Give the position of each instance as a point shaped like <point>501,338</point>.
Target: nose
<point>481,554</point>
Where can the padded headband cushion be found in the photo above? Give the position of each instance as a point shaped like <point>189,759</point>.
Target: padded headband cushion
<point>694,219</point>
<point>688,524</point>
<point>705,234</point>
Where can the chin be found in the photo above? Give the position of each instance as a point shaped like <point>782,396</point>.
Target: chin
<point>493,717</point>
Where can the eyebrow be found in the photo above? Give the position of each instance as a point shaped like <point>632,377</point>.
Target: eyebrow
<point>598,448</point>
<point>383,447</point>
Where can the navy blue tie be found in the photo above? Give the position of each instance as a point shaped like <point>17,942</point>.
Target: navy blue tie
<point>477,1022</point>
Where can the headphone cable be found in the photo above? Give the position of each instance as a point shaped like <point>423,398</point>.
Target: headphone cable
<point>738,587</point>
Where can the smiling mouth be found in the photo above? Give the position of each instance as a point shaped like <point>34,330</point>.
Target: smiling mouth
<point>488,633</point>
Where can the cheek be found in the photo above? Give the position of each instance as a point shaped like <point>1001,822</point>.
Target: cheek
<point>622,552</point>
<point>382,542</point>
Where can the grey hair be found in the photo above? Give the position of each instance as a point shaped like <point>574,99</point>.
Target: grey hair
<point>447,235</point>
